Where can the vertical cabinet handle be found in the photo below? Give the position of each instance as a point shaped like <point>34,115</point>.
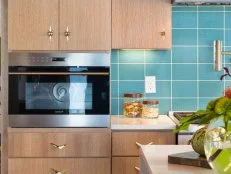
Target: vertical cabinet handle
<point>58,171</point>
<point>60,147</point>
<point>163,35</point>
<point>139,145</point>
<point>67,33</point>
<point>50,33</point>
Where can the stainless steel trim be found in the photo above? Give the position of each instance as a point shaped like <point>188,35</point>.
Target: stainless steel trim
<point>101,59</point>
<point>202,2</point>
<point>49,121</point>
<point>57,73</point>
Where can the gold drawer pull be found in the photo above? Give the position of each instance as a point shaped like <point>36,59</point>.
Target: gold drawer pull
<point>60,147</point>
<point>137,168</point>
<point>59,171</point>
<point>50,33</point>
<point>163,35</point>
<point>139,145</point>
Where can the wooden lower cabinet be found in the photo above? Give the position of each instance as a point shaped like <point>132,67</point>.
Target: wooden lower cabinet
<point>125,165</point>
<point>56,165</point>
<point>78,144</point>
<point>127,143</point>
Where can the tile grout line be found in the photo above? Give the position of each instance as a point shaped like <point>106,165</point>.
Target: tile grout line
<point>171,84</point>
<point>198,71</point>
<point>144,71</point>
<point>118,74</point>
<point>224,45</point>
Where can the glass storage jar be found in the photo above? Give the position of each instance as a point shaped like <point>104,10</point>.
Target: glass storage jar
<point>150,109</point>
<point>133,104</point>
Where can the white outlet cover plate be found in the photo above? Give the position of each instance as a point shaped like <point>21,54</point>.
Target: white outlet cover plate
<point>150,84</point>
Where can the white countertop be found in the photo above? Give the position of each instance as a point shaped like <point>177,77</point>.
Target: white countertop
<point>163,122</point>
<point>156,157</point>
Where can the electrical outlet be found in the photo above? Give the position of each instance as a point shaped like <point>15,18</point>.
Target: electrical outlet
<point>150,84</point>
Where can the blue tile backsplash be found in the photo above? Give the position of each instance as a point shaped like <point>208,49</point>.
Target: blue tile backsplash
<point>185,76</point>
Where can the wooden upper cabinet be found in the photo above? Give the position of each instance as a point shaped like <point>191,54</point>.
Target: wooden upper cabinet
<point>141,24</point>
<point>89,24</point>
<point>29,22</point>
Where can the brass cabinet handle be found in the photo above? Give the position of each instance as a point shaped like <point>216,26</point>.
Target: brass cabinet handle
<point>60,147</point>
<point>59,171</point>
<point>50,33</point>
<point>139,145</point>
<point>137,168</point>
<point>163,35</point>
<point>67,33</point>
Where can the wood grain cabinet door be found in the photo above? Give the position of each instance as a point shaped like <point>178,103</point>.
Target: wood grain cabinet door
<point>125,165</point>
<point>62,165</point>
<point>84,144</point>
<point>85,24</point>
<point>128,143</point>
<point>29,22</point>
<point>141,24</point>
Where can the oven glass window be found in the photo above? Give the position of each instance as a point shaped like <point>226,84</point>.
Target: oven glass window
<point>59,94</point>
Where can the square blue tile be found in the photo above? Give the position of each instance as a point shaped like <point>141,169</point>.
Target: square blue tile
<point>131,87</point>
<point>207,72</point>
<point>184,54</point>
<point>227,58</point>
<point>203,103</point>
<point>114,107</point>
<point>228,37</point>
<point>161,71</point>
<point>207,36</point>
<point>114,89</point>
<point>184,20</point>
<point>121,107</point>
<point>228,20</point>
<point>152,56</point>
<point>129,56</point>
<point>228,83</point>
<point>184,104</point>
<point>164,106</point>
<point>228,8</point>
<point>211,8</point>
<point>184,89</point>
<point>211,89</point>
<point>183,8</point>
<point>131,72</point>
<point>163,89</point>
<point>114,71</point>
<point>205,54</point>
<point>184,72</point>
<point>114,56</point>
<point>184,36</point>
<point>211,20</point>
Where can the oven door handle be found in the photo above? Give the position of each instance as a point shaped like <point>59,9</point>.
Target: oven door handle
<point>59,73</point>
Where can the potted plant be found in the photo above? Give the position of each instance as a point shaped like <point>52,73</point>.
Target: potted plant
<point>216,137</point>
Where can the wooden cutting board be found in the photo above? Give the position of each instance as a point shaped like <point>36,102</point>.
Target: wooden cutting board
<point>189,158</point>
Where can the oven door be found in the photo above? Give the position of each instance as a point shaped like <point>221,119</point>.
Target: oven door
<point>59,99</point>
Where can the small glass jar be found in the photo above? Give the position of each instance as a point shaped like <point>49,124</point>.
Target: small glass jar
<point>133,104</point>
<point>150,109</point>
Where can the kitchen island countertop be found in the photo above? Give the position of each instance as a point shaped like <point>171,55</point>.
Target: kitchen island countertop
<point>154,160</point>
<point>163,122</point>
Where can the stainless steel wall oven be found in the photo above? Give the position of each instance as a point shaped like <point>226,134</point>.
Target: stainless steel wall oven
<point>59,90</point>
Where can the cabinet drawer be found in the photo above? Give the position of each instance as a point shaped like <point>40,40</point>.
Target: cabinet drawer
<point>127,143</point>
<point>125,165</point>
<point>82,144</point>
<point>48,166</point>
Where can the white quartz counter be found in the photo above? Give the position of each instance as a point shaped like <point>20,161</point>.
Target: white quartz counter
<point>124,123</point>
<point>154,160</point>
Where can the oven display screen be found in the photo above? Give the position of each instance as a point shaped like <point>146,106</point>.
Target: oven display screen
<point>59,96</point>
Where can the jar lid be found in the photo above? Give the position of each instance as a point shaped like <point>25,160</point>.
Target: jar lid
<point>151,102</point>
<point>133,95</point>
